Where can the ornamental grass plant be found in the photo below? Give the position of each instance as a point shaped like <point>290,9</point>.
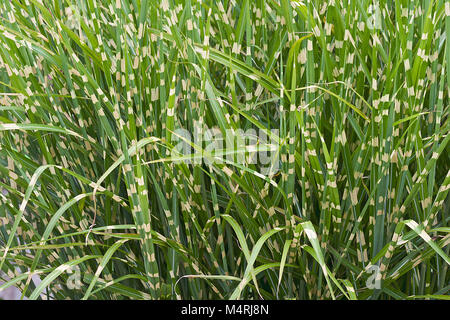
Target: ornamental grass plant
<point>254,149</point>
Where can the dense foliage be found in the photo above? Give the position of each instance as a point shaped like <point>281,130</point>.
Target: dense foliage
<point>100,199</point>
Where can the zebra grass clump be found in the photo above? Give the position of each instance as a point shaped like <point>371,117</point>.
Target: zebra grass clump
<point>225,149</point>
